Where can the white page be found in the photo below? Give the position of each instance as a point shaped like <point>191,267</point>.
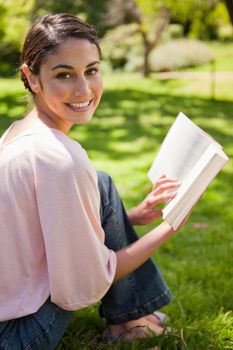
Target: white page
<point>207,167</point>
<point>194,192</point>
<point>196,171</point>
<point>180,150</point>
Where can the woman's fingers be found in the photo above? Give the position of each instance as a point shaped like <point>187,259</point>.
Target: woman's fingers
<point>164,189</point>
<point>162,181</point>
<point>164,197</point>
<point>169,185</point>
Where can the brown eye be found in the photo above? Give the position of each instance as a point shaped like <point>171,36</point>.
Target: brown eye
<point>92,71</point>
<point>64,76</point>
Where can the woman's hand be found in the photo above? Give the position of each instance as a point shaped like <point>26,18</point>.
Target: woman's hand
<point>163,190</point>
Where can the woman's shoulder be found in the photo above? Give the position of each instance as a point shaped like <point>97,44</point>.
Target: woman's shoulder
<point>58,150</point>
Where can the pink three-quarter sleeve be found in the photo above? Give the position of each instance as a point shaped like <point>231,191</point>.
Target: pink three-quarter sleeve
<point>80,267</point>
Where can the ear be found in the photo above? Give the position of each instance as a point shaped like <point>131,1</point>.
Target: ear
<point>33,80</point>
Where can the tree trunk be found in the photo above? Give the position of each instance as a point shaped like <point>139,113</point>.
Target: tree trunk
<point>146,67</point>
<point>187,26</point>
<point>229,6</point>
<point>149,44</point>
<point>146,51</point>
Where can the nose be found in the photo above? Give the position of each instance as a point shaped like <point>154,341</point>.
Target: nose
<point>81,87</point>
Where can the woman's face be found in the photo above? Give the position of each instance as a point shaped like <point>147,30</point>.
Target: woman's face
<point>70,84</point>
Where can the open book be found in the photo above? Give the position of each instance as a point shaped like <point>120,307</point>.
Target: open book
<point>191,156</point>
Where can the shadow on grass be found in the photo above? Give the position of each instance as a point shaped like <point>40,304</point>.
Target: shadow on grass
<point>137,114</point>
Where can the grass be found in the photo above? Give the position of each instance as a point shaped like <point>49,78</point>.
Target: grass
<point>122,139</point>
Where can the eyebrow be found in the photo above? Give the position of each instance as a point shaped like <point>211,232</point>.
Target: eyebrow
<point>67,66</point>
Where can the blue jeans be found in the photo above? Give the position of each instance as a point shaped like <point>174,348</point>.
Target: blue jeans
<point>137,295</point>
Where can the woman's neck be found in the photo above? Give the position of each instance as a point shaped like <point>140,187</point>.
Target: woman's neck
<point>41,116</point>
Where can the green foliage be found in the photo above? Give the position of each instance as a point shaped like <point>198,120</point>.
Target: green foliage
<point>14,21</point>
<point>51,6</point>
<point>150,10</point>
<point>17,15</point>
<point>201,19</point>
<point>89,10</point>
<point>180,53</point>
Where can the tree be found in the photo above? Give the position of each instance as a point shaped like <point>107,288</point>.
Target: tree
<point>153,20</point>
<point>151,16</point>
<point>200,19</point>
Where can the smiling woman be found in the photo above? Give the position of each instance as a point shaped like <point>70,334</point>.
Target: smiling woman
<point>66,239</point>
<point>69,87</point>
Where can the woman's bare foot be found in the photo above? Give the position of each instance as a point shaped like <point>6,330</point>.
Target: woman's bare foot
<point>152,318</point>
<point>136,329</point>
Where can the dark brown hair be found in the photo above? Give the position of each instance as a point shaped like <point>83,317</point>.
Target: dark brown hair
<point>47,33</point>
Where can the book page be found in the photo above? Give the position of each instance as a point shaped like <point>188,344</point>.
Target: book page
<point>190,179</point>
<point>203,173</point>
<point>180,150</point>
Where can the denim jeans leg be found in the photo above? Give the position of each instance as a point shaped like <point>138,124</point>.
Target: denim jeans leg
<point>41,330</point>
<point>141,292</point>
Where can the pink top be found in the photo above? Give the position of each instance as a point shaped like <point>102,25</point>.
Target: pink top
<point>52,242</point>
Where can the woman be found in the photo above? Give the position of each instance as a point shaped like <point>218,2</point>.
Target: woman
<point>66,241</point>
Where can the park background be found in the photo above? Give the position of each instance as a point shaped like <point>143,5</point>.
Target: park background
<point>159,58</point>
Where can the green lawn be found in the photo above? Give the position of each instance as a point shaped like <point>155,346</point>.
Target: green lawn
<point>122,139</point>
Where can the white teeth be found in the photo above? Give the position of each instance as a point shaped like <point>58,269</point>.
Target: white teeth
<point>79,105</point>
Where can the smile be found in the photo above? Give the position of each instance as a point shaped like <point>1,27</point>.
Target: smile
<point>79,106</point>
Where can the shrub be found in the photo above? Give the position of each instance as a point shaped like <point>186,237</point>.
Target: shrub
<point>179,53</point>
<point>122,47</point>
